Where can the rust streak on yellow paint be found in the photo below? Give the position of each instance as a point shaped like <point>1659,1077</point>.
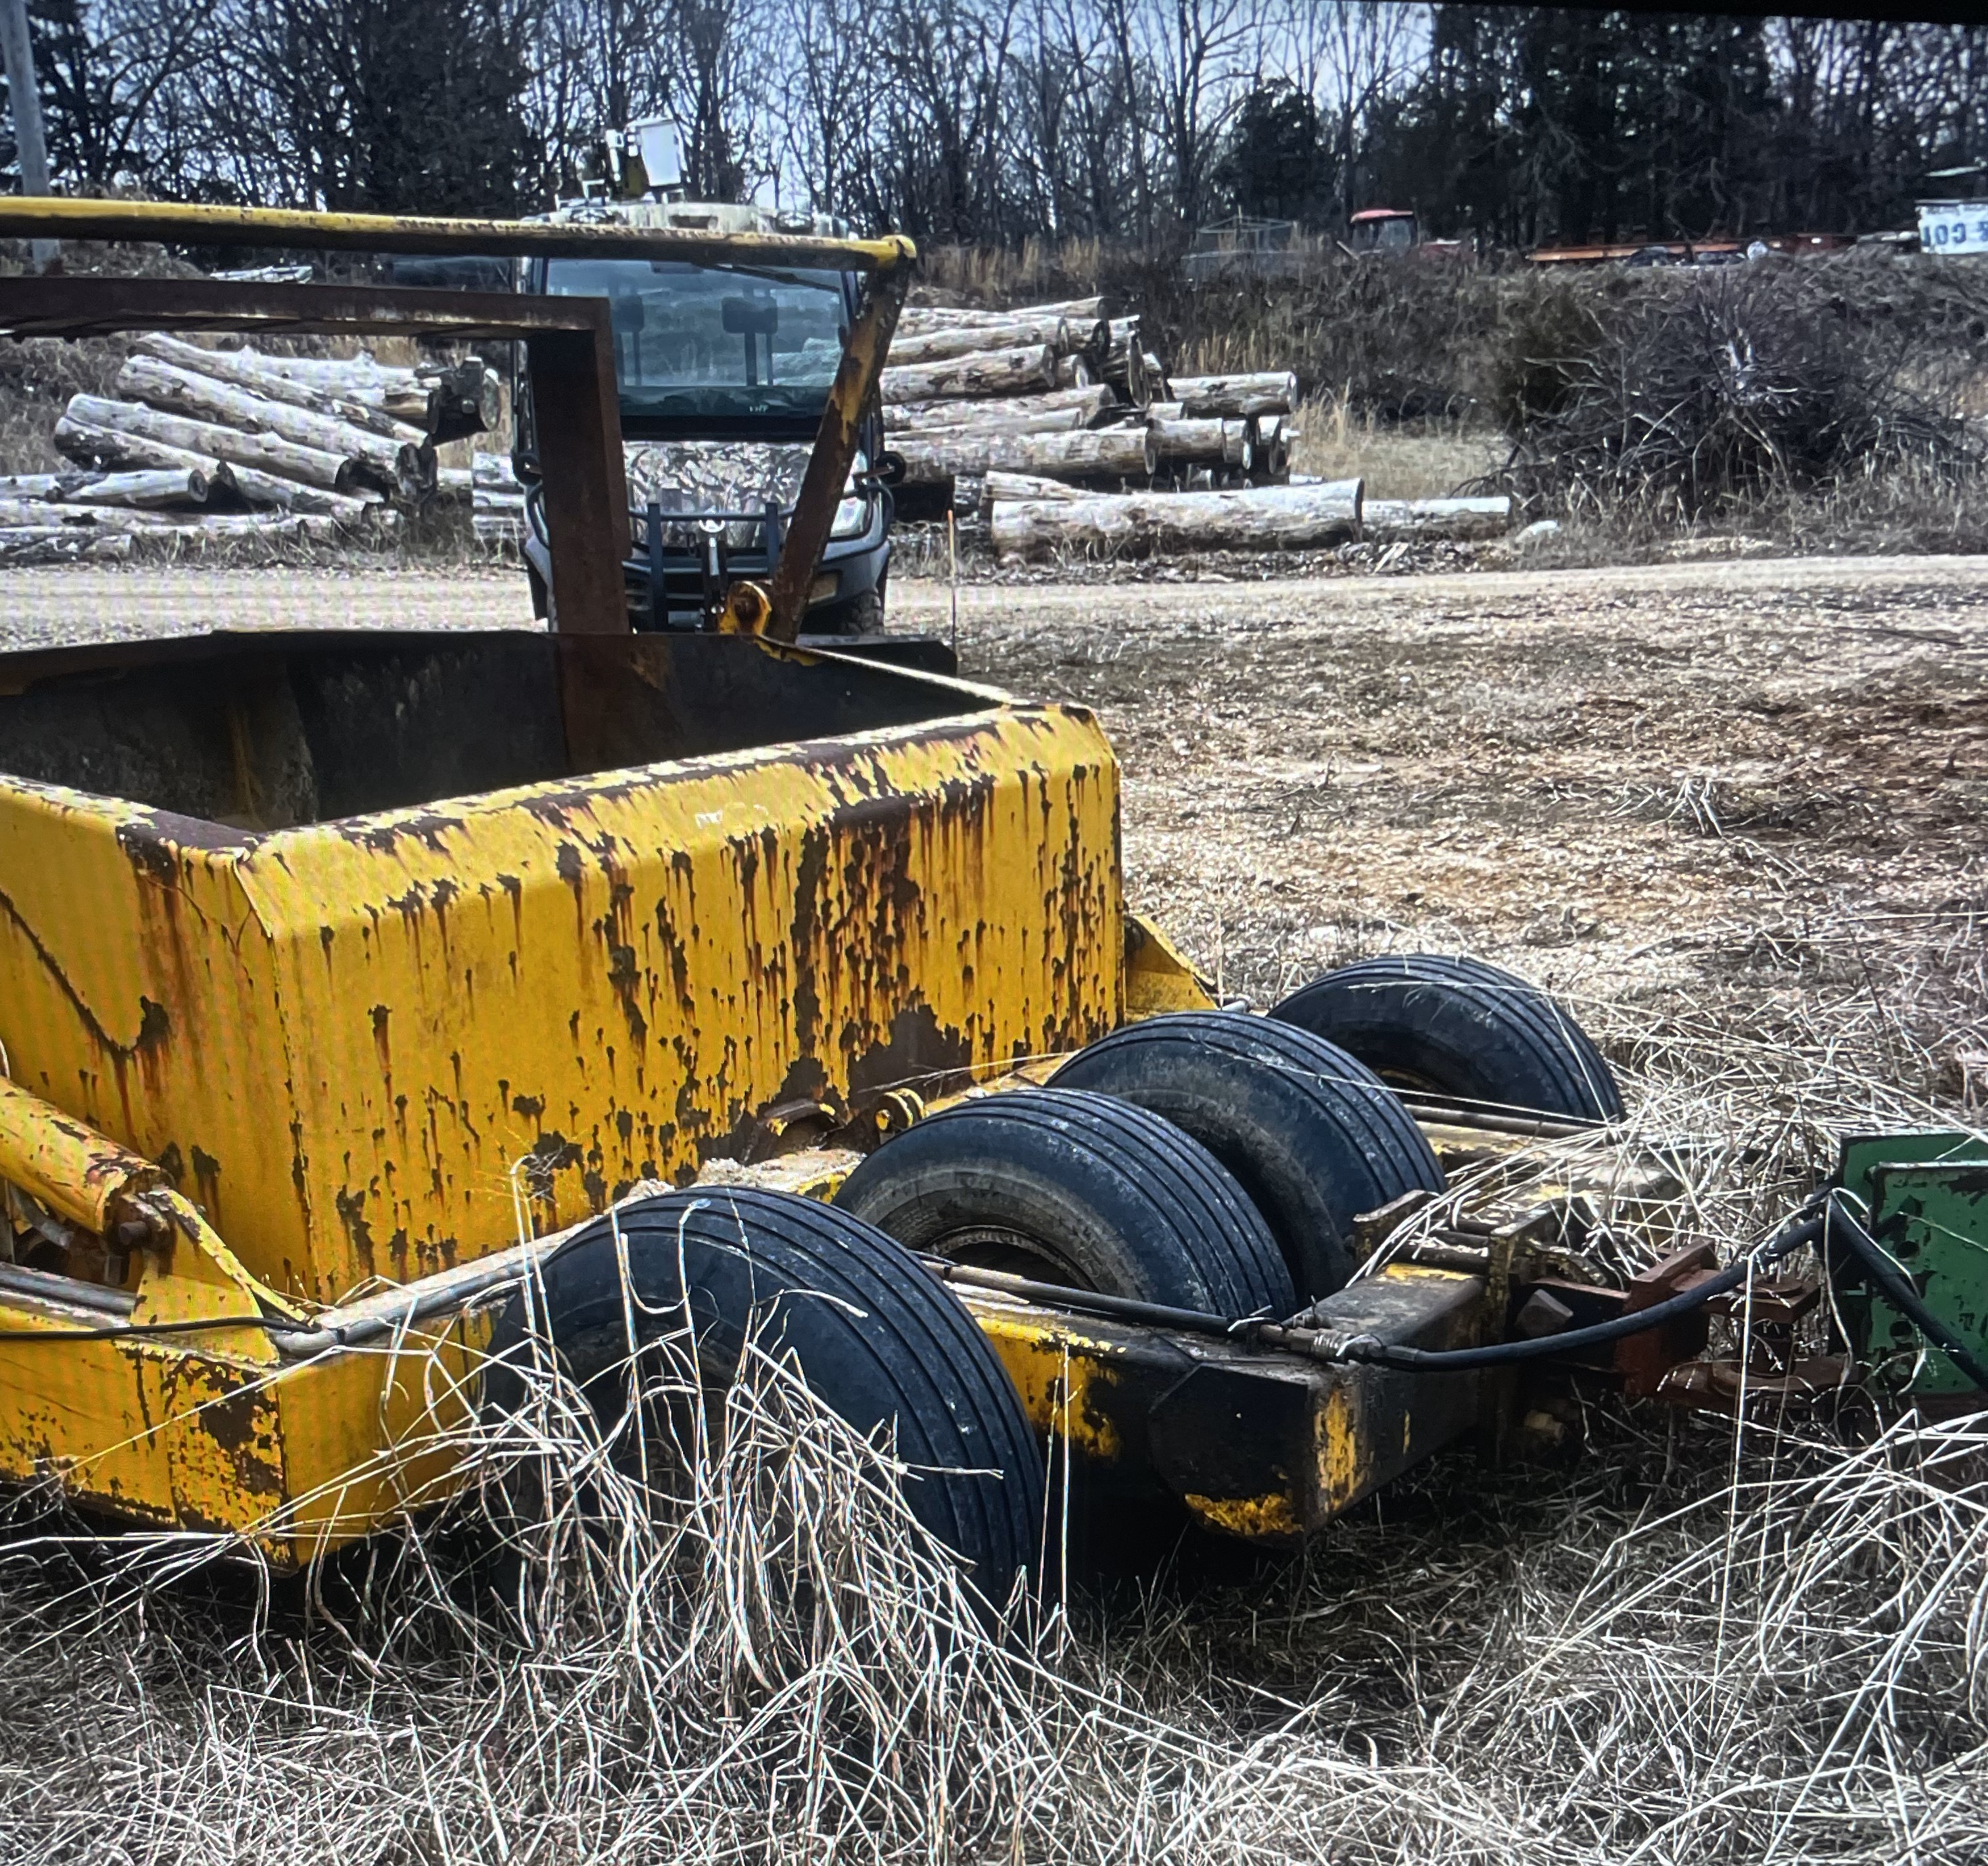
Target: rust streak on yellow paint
<point>1258,1518</point>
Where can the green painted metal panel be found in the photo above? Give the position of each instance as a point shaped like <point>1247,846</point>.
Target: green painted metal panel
<point>1926,1195</point>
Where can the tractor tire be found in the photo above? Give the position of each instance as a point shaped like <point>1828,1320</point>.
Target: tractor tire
<point>877,1338</point>
<point>1461,1030</point>
<point>1312,1137</point>
<point>1077,1189</point>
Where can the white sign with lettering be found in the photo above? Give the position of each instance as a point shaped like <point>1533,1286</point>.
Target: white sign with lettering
<point>1953,226</point>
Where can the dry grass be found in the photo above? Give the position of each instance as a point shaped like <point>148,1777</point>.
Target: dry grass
<point>1430,459</point>
<point>1692,1646</point>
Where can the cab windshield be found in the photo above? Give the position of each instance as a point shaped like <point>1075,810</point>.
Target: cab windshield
<point>733,345</point>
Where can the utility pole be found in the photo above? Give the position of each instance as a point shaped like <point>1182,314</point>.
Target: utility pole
<point>24,96</point>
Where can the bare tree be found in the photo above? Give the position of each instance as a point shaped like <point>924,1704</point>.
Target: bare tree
<point>826,93</point>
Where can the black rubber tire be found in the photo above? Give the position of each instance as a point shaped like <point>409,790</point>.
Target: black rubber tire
<point>1312,1137</point>
<point>1077,1189</point>
<point>891,1343</point>
<point>1459,1028</point>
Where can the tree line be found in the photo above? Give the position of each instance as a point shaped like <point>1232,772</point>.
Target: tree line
<point>995,121</point>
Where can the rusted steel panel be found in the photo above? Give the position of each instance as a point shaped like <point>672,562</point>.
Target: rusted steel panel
<point>365,1047</point>
<point>851,396</point>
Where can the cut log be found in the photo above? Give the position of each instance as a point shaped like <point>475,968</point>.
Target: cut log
<point>32,544</point>
<point>962,340</point>
<point>271,453</point>
<point>992,418</point>
<point>1273,518</point>
<point>1157,385</point>
<point>1273,452</point>
<point>399,391</point>
<point>1123,453</point>
<point>395,464</point>
<point>103,447</point>
<point>1075,372</point>
<point>1092,401</point>
<point>986,372</point>
<point>164,486</point>
<point>1229,397</point>
<point>920,317</point>
<point>249,370</point>
<point>94,517</point>
<point>261,489</point>
<point>998,488</point>
<point>271,528</point>
<point>1120,453</point>
<point>265,451</point>
<point>1228,441</point>
<point>1390,521</point>
<point>496,470</point>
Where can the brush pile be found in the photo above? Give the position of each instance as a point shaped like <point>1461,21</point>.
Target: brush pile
<point>1062,427</point>
<point>199,445</point>
<point>1720,387</point>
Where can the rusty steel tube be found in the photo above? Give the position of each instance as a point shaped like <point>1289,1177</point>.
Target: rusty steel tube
<point>79,1174</point>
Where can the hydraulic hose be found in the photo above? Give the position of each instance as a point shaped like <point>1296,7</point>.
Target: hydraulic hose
<point>1800,1230</point>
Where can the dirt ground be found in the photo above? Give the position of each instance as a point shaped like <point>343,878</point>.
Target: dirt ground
<point>1664,790</point>
<point>1746,792</point>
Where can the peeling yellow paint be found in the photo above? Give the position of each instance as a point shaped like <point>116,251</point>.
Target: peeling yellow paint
<point>1342,1451</point>
<point>1057,1371</point>
<point>1256,1518</point>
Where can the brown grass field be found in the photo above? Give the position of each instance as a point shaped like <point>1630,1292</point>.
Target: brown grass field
<point>1733,812</point>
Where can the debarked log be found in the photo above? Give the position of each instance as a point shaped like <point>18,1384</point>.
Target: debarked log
<point>105,447</point>
<point>1055,411</point>
<point>395,464</point>
<point>250,370</point>
<point>1123,453</point>
<point>271,453</point>
<point>1231,442</point>
<point>1390,521</point>
<point>984,372</point>
<point>159,486</point>
<point>920,317</point>
<point>1265,519</point>
<point>1230,397</point>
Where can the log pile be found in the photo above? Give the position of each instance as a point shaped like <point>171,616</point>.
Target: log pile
<point>199,445</point>
<point>1062,427</point>
<point>1061,392</point>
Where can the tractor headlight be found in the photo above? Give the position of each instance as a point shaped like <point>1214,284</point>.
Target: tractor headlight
<point>852,518</point>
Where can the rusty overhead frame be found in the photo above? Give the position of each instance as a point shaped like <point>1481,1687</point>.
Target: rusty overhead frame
<point>569,346</point>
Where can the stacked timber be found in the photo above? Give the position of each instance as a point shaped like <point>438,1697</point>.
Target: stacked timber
<point>976,402</point>
<point>199,444</point>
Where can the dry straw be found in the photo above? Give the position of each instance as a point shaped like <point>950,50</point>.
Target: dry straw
<point>1690,1644</point>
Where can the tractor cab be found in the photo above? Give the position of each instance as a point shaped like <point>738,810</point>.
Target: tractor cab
<point>1384,230</point>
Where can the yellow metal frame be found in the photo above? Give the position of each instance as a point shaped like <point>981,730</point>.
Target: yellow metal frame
<point>392,1058</point>
<point>45,216</point>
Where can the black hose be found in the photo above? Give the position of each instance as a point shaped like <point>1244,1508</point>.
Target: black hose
<point>1800,1231</point>
<point>1840,1221</point>
<point>123,1331</point>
